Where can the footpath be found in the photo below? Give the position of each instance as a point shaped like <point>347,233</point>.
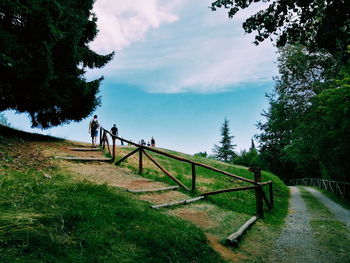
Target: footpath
<point>313,224</point>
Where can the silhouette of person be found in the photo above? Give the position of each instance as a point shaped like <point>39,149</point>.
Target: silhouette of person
<point>93,130</point>
<point>153,142</point>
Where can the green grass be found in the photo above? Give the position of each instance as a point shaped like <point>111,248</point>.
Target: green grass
<point>207,180</point>
<point>60,220</point>
<point>331,234</point>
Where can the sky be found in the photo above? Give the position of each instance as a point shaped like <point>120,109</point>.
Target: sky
<point>179,70</point>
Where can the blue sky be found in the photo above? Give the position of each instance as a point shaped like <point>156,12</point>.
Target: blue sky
<point>179,70</point>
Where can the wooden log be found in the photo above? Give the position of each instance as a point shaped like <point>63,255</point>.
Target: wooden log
<point>233,238</point>
<point>165,171</point>
<point>100,136</point>
<point>258,193</point>
<point>84,149</point>
<point>84,158</point>
<point>187,201</point>
<point>153,190</point>
<point>113,139</point>
<point>140,161</point>
<point>230,190</point>
<point>128,155</point>
<point>193,177</point>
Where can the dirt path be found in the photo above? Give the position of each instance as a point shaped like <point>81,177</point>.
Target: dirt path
<point>297,243</point>
<point>338,211</point>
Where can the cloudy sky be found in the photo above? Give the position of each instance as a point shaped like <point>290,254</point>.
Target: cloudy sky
<point>179,70</point>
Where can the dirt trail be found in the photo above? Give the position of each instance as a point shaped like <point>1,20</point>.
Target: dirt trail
<point>297,243</point>
<point>208,217</point>
<point>339,212</point>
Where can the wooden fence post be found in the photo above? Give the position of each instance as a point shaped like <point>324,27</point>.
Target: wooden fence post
<point>193,177</point>
<point>140,160</point>
<point>258,192</point>
<point>100,136</point>
<point>113,138</point>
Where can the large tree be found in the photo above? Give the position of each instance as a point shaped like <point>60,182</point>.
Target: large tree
<point>225,151</point>
<point>314,23</point>
<point>43,56</point>
<point>307,109</point>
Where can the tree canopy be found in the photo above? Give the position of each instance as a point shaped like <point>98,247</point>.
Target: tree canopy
<point>43,56</point>
<point>317,24</point>
<point>306,132</point>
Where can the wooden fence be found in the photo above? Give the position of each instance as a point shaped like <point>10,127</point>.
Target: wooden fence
<point>339,188</point>
<point>142,150</point>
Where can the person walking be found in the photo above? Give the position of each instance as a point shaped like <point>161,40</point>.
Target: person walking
<point>114,130</point>
<point>153,142</point>
<point>93,130</point>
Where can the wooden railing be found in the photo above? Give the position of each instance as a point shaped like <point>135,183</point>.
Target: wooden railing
<point>257,185</point>
<point>339,188</point>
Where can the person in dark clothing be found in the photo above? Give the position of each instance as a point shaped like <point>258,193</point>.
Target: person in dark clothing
<point>114,130</point>
<point>153,142</point>
<point>93,130</point>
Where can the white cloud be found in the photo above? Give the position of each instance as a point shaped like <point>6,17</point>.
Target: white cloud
<point>122,22</point>
<point>203,52</point>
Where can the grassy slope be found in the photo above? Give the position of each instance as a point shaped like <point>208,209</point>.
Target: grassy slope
<point>241,202</point>
<point>61,220</point>
<point>257,243</point>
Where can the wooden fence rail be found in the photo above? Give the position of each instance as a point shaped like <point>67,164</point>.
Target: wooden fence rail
<point>141,149</point>
<point>339,188</point>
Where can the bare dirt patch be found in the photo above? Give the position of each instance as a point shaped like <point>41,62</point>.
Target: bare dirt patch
<point>196,215</point>
<point>224,251</point>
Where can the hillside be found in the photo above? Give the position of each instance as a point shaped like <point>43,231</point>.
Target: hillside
<point>54,209</point>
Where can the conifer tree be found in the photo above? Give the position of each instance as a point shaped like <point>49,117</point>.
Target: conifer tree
<point>44,54</point>
<point>225,151</point>
<point>252,146</point>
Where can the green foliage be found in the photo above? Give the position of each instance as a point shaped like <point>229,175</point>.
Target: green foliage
<point>249,159</point>
<point>43,56</point>
<point>201,154</point>
<point>225,152</point>
<point>317,24</point>
<point>59,220</point>
<point>287,143</point>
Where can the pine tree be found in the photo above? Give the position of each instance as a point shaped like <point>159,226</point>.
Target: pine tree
<point>252,146</point>
<point>44,53</point>
<point>225,152</point>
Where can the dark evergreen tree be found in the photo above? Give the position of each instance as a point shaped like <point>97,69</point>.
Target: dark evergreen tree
<point>252,146</point>
<point>43,56</point>
<point>225,151</point>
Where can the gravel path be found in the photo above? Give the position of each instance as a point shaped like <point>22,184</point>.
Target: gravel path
<point>297,243</point>
<point>339,212</point>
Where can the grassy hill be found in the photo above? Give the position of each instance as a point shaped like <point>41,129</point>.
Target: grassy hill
<point>48,216</point>
<point>207,180</point>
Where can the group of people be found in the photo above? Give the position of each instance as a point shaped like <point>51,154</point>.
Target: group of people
<point>152,144</point>
<point>93,130</point>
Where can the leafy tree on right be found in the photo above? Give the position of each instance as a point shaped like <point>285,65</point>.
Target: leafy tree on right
<point>317,24</point>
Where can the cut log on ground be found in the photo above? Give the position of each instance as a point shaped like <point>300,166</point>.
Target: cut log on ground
<point>153,190</point>
<point>84,149</point>
<point>233,238</point>
<point>84,159</point>
<point>181,202</point>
